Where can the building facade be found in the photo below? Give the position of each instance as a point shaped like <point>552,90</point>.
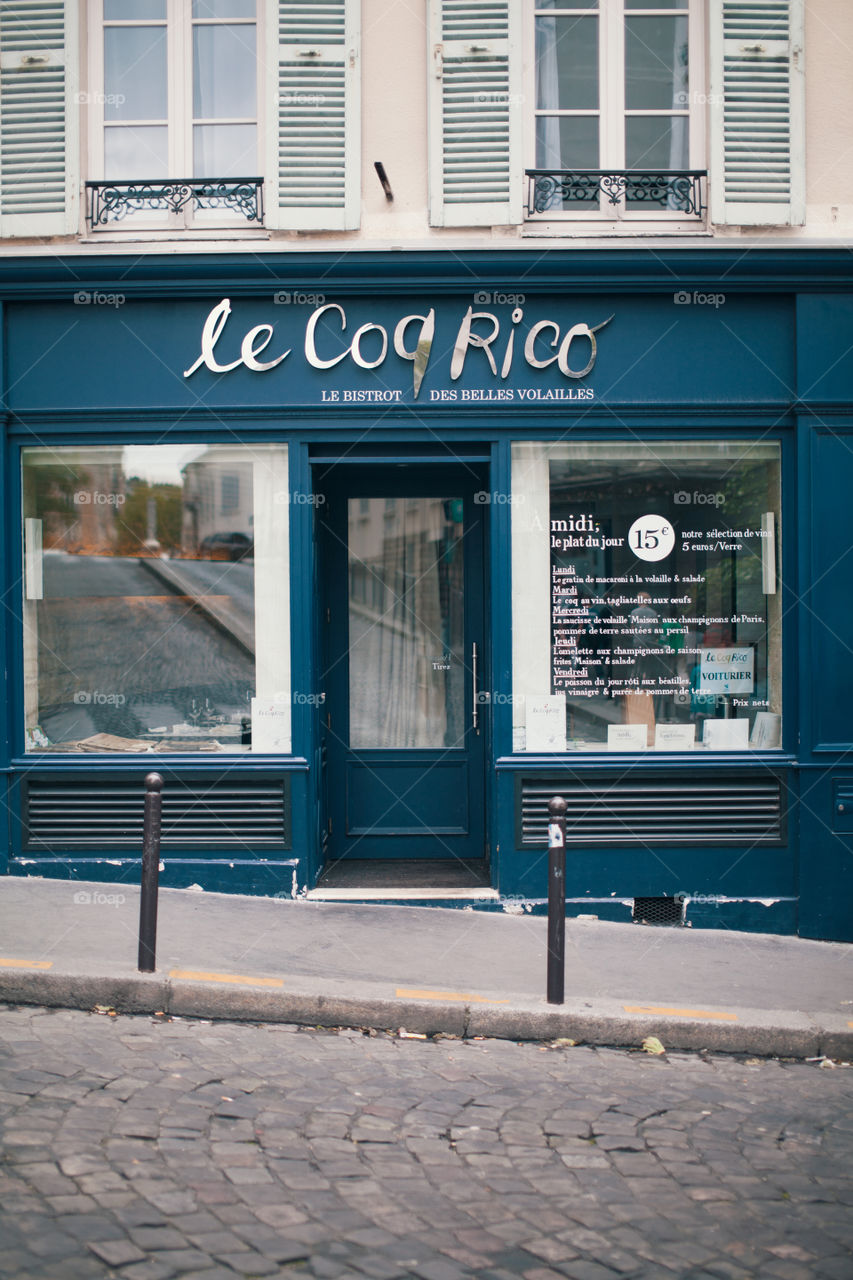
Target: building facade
<point>415,412</point>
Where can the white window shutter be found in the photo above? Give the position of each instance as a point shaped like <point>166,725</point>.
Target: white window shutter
<point>313,169</point>
<point>475,162</point>
<point>39,144</point>
<point>757,113</point>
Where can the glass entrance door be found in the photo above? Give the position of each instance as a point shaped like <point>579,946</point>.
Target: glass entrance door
<point>403,622</point>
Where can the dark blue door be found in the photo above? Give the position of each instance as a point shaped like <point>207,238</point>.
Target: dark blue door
<point>402,617</point>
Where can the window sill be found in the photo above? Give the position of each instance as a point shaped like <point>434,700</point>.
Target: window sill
<point>564,229</point>
<point>172,235</point>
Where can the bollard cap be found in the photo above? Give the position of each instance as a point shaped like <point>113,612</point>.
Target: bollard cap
<point>557,807</point>
<point>154,782</point>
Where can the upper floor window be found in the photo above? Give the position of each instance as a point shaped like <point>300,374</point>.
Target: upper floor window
<point>618,119</point>
<point>179,100</point>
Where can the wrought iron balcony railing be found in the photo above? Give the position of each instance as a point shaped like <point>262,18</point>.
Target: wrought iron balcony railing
<point>112,201</point>
<point>670,190</point>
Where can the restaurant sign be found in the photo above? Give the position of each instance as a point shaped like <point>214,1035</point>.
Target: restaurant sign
<point>330,340</point>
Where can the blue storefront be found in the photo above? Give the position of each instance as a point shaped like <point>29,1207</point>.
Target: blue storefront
<point>369,554</point>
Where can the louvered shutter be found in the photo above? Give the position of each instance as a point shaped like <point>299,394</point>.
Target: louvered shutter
<point>758,118</point>
<point>475,169</point>
<point>314,151</point>
<point>39,160</point>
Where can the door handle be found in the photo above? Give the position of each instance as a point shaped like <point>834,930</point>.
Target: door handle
<point>474,706</point>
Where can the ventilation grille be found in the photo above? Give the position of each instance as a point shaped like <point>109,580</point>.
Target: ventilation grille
<point>658,911</point>
<point>76,814</point>
<point>636,810</point>
<point>756,88</point>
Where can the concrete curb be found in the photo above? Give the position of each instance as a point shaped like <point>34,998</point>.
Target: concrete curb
<point>591,1022</point>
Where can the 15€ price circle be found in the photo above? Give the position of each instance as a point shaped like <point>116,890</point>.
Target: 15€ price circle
<point>651,537</point>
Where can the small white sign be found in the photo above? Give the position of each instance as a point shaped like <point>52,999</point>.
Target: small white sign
<point>651,537</point>
<point>627,737</point>
<point>675,737</point>
<point>767,730</point>
<point>727,670</point>
<point>555,836</point>
<point>726,735</point>
<point>33,558</point>
<point>545,723</point>
<point>270,725</point>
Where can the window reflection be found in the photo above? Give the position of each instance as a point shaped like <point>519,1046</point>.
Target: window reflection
<point>155,613</point>
<point>406,660</point>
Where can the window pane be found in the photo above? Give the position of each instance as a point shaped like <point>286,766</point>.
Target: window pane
<point>136,151</point>
<point>149,616</point>
<point>406,617</point>
<point>656,142</point>
<point>135,73</point>
<point>567,142</point>
<point>656,72</point>
<point>224,69</point>
<point>566,63</point>
<point>656,4</point>
<point>122,10</point>
<point>653,617</point>
<point>224,8</point>
<point>225,151</point>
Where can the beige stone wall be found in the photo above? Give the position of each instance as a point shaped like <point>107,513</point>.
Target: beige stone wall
<point>829,117</point>
<point>395,71</point>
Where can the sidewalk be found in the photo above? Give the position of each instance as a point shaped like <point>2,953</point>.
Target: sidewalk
<point>425,969</point>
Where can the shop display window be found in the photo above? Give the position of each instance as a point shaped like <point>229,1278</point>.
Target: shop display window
<point>646,606</point>
<point>156,598</point>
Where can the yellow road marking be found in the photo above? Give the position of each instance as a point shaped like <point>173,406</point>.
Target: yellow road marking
<point>406,993</point>
<point>240,978</point>
<point>26,964</point>
<point>680,1013</point>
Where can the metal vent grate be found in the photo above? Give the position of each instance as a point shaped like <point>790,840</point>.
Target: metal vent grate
<point>725,809</point>
<point>658,911</point>
<point>74,814</point>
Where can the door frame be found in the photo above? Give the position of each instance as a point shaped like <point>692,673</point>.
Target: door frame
<point>337,477</point>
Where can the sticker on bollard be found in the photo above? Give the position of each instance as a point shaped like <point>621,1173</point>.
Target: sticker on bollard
<point>556,899</point>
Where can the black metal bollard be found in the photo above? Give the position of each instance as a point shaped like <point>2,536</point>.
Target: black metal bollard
<point>556,899</point>
<point>150,873</point>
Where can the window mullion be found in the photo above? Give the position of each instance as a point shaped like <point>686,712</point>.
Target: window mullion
<point>96,81</point>
<point>180,88</point>
<point>698,100</point>
<point>615,85</point>
<point>612,97</point>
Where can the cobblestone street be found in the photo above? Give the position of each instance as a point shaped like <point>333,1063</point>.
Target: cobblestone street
<point>144,1149</point>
